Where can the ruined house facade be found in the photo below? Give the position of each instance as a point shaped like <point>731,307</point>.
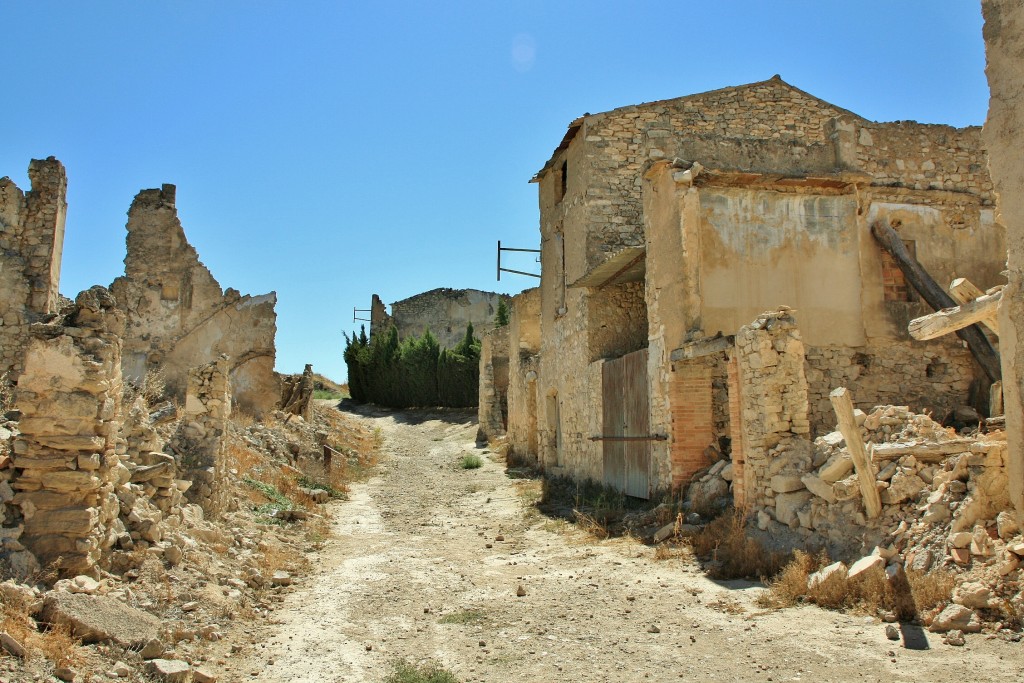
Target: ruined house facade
<point>445,312</point>
<point>668,226</point>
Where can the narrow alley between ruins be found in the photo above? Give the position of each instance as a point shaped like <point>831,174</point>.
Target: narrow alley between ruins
<point>427,559</point>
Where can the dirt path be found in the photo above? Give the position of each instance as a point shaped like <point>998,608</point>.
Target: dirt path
<point>417,547</point>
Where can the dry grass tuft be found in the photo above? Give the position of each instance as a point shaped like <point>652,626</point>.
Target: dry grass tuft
<point>869,593</point>
<point>931,589</point>
<point>732,553</point>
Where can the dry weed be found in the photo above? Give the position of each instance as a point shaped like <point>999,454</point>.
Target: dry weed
<point>590,524</point>
<point>732,552</point>
<point>58,645</point>
<point>931,589</point>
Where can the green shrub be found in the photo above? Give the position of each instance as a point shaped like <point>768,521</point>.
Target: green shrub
<point>471,461</point>
<point>413,373</point>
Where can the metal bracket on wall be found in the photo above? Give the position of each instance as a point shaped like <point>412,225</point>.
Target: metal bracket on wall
<point>357,311</point>
<point>509,270</point>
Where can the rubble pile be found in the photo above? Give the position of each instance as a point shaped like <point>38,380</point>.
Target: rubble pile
<point>944,506</point>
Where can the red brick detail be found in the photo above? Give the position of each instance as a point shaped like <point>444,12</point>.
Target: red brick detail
<point>692,420</point>
<point>894,284</point>
<point>739,489</point>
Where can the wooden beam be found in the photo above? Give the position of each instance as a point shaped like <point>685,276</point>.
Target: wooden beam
<point>931,451</point>
<point>963,290</point>
<point>938,299</point>
<point>703,347</point>
<point>952,319</point>
<point>843,405</point>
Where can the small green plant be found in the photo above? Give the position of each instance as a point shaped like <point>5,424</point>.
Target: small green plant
<point>428,672</point>
<point>464,617</point>
<point>471,461</point>
<point>308,482</point>
<point>328,394</point>
<point>276,500</point>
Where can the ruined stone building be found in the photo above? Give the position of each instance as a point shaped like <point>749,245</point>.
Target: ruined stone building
<point>178,317</point>
<point>668,226</point>
<point>84,478</point>
<point>445,312</point>
<point>31,245</point>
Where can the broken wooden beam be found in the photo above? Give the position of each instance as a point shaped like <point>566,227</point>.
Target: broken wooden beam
<point>923,451</point>
<point>952,319</point>
<point>843,405</point>
<point>703,347</point>
<point>934,295</point>
<point>963,290</point>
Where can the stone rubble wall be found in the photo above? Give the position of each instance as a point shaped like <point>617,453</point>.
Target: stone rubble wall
<point>31,245</point>
<point>445,312</point>
<point>492,412</point>
<point>178,317</point>
<point>65,460</point>
<point>932,377</point>
<point>199,446</point>
<point>773,395</point>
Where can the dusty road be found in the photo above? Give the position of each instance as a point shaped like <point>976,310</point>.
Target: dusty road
<point>416,571</point>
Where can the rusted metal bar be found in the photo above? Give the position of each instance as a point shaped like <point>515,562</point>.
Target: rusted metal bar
<point>646,437</point>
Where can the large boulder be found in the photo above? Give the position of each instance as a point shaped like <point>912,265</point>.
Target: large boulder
<point>98,618</point>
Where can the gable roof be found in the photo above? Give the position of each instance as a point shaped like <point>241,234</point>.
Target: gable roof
<point>775,80</point>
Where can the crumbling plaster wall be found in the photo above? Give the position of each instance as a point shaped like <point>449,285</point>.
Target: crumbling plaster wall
<point>1004,137</point>
<point>446,313</point>
<point>719,254</point>
<point>178,317</point>
<point>31,245</point>
<point>523,371</point>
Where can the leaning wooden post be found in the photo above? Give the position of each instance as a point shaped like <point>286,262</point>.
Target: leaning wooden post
<point>843,406</point>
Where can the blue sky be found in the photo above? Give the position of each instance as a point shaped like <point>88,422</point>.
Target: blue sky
<point>330,150</point>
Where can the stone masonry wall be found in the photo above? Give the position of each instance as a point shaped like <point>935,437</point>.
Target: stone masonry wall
<point>494,378</point>
<point>199,447</point>
<point>66,461</point>
<point>31,244</point>
<point>1004,136</point>
<point>773,395</point>
<point>177,315</point>
<point>523,370</point>
<point>446,312</point>
<point>926,376</point>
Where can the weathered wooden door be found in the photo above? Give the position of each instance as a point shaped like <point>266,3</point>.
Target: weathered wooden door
<point>626,424</point>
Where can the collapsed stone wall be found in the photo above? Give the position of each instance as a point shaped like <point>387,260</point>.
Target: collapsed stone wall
<point>445,312</point>
<point>297,393</point>
<point>178,317</point>
<point>935,377</point>
<point>65,460</point>
<point>31,245</point>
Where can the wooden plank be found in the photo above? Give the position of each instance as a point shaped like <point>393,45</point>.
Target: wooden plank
<point>930,291</point>
<point>952,319</point>
<point>963,290</point>
<point>931,451</point>
<point>843,405</point>
<point>703,347</point>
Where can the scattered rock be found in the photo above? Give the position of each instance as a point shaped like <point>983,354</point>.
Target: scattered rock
<point>11,644</point>
<point>169,670</point>
<point>520,592</point>
<point>200,675</point>
<point>955,637</point>
<point>152,649</point>
<point>653,629</point>
<point>956,617</point>
<point>65,673</point>
<point>972,594</point>
<point>281,578</point>
<point>891,632</point>
<point>97,618</point>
